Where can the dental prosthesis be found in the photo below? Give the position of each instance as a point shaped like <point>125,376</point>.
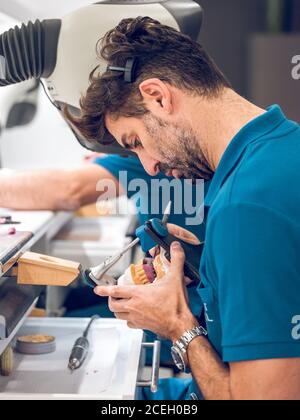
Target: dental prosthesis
<point>146,271</point>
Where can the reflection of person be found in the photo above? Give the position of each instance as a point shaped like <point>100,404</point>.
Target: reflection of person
<point>181,116</point>
<point>70,189</point>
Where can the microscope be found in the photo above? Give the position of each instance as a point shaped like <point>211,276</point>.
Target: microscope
<point>61,53</point>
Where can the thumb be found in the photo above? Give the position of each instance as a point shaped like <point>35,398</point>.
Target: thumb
<point>183,234</point>
<point>177,258</point>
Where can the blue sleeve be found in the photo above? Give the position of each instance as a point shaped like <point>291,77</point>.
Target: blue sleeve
<point>151,200</point>
<point>117,164</point>
<point>255,263</point>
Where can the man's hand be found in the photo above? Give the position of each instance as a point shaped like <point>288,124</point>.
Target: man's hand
<point>160,307</point>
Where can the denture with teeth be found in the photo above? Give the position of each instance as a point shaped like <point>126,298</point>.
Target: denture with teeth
<point>147,271</point>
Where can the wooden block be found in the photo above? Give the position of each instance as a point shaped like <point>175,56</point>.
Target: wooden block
<point>38,313</point>
<point>42,270</point>
<point>87,211</point>
<point>92,210</point>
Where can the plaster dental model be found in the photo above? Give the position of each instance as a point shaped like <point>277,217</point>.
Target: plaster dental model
<point>147,271</point>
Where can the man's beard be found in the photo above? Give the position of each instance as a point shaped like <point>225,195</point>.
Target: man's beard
<point>179,149</point>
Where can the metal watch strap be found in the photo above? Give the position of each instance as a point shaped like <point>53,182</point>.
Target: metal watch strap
<point>189,335</point>
<point>184,341</point>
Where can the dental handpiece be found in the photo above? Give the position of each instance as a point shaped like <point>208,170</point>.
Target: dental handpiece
<point>98,276</point>
<point>80,348</point>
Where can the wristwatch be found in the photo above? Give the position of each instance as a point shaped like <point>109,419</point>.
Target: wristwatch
<point>179,348</point>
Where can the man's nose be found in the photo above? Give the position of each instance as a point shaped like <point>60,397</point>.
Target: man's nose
<point>150,165</point>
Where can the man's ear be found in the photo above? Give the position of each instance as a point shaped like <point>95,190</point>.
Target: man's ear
<point>157,96</point>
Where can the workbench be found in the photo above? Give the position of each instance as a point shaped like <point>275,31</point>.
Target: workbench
<point>40,226</point>
<point>43,227</point>
<point>109,373</point>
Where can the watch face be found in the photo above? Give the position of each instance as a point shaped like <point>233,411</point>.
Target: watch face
<point>178,359</point>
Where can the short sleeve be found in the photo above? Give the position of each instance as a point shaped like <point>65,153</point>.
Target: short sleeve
<point>152,194</point>
<point>255,261</point>
<point>117,165</point>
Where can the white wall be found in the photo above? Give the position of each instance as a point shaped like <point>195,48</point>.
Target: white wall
<point>41,9</point>
<point>46,143</point>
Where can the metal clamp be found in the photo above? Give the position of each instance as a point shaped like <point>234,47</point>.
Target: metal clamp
<point>153,382</point>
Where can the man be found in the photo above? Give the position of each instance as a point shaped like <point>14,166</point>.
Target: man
<point>180,115</point>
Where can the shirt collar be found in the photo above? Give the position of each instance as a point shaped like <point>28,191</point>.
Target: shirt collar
<point>256,128</point>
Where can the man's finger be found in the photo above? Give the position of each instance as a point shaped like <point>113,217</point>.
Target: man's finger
<point>183,234</point>
<point>119,292</point>
<point>177,258</point>
<point>118,305</point>
<point>123,316</point>
<point>154,251</point>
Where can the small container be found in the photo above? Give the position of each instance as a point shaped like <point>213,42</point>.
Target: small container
<point>36,344</point>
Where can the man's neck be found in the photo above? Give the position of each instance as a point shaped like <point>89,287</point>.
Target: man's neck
<point>218,120</point>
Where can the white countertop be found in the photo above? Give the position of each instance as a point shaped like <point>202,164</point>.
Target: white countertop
<point>31,221</point>
<point>110,371</point>
<point>37,222</point>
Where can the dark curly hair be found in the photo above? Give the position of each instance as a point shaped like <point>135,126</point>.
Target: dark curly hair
<point>161,52</point>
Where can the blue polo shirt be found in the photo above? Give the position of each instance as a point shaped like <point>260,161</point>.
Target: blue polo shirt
<point>151,200</point>
<point>250,267</point>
